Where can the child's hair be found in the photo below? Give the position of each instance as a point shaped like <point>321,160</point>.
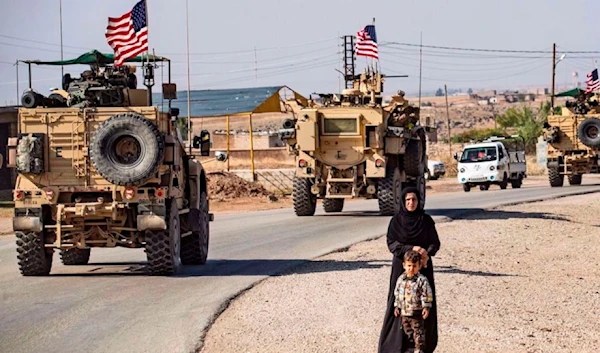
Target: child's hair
<point>412,256</point>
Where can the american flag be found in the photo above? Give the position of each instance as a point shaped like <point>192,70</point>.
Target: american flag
<point>128,34</point>
<point>592,81</point>
<point>367,42</point>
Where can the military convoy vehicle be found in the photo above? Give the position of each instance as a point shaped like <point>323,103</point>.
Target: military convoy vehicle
<point>100,167</point>
<point>353,146</point>
<point>573,141</point>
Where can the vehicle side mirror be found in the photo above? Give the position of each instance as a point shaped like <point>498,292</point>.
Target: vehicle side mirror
<point>202,142</point>
<point>455,156</point>
<point>221,156</point>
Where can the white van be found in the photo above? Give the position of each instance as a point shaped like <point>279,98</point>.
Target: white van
<point>497,161</point>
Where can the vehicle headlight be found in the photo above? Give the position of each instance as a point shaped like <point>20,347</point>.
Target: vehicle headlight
<point>462,170</point>
<point>492,167</point>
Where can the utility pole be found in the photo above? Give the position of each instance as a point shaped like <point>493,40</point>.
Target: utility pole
<point>553,74</point>
<point>18,92</point>
<point>448,120</point>
<point>255,66</point>
<point>420,67</point>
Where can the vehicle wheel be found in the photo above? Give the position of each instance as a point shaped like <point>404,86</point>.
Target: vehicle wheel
<point>75,256</point>
<point>466,187</point>
<point>588,132</point>
<point>556,179</point>
<point>127,149</point>
<point>33,257</point>
<point>484,187</point>
<point>413,159</point>
<point>516,184</point>
<point>389,191</point>
<point>305,202</point>
<point>333,205</point>
<point>504,182</point>
<point>194,247</point>
<point>163,246</point>
<point>575,179</point>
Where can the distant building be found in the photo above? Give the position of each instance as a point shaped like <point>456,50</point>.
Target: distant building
<point>486,93</point>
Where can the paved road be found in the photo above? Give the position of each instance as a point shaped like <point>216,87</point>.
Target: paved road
<point>110,305</point>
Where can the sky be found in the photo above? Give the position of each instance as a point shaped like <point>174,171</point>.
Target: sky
<point>297,43</point>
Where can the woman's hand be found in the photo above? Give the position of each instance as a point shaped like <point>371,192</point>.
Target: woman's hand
<point>424,255</point>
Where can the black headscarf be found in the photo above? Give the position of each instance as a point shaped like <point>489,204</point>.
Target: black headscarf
<point>408,229</point>
<point>407,225</point>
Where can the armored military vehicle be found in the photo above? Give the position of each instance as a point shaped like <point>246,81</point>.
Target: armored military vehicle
<point>100,167</point>
<point>573,140</point>
<point>353,146</point>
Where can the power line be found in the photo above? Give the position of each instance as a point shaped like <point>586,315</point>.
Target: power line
<point>269,67</point>
<point>41,42</point>
<point>40,49</point>
<point>492,50</point>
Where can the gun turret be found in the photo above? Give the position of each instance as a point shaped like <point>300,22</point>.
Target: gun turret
<point>97,87</point>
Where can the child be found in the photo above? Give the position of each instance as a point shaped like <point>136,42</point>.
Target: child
<point>413,299</point>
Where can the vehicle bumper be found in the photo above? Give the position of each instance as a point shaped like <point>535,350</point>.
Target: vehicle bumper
<point>483,178</point>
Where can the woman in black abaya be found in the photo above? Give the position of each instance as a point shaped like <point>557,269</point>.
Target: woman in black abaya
<point>410,229</point>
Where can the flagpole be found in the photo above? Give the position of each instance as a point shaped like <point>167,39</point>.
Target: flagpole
<point>62,68</point>
<point>148,30</point>
<point>187,39</point>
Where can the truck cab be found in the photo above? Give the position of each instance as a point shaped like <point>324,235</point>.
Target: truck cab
<point>491,163</point>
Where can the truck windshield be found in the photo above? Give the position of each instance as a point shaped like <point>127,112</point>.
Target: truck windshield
<point>479,154</point>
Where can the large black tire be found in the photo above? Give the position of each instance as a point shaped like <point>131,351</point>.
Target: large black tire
<point>555,178</point>
<point>574,179</point>
<point>516,184</point>
<point>389,191</point>
<point>413,159</point>
<point>33,257</point>
<point>422,187</point>
<point>127,149</point>
<point>75,256</point>
<point>484,187</point>
<point>163,247</point>
<point>333,205</point>
<point>504,182</point>
<point>305,202</point>
<point>194,247</point>
<point>466,187</point>
<point>588,132</point>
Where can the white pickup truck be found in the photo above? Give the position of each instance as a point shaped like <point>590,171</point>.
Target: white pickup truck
<point>497,161</point>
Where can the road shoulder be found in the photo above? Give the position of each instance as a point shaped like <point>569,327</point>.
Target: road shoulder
<point>491,276</point>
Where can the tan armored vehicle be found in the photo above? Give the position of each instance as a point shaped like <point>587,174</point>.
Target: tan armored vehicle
<point>573,140</point>
<point>99,166</point>
<point>352,146</point>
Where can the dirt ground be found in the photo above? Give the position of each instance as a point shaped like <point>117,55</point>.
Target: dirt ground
<point>520,279</point>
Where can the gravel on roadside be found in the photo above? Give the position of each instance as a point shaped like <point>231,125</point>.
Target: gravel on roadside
<point>523,278</point>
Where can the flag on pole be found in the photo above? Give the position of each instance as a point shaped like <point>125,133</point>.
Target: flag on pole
<point>593,83</point>
<point>367,42</point>
<point>128,34</point>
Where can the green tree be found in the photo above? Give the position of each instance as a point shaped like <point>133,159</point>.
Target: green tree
<point>470,91</point>
<point>525,123</point>
<point>439,92</point>
<point>477,135</point>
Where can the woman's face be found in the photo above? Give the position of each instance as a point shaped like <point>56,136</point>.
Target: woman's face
<point>411,202</point>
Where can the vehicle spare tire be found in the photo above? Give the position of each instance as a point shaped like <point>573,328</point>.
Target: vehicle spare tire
<point>127,149</point>
<point>588,132</point>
